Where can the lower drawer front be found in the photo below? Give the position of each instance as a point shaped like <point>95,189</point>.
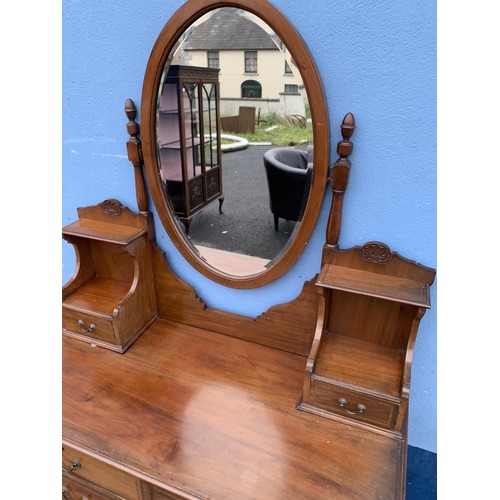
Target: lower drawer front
<point>159,494</point>
<point>103,328</point>
<point>354,405</point>
<point>117,482</point>
<point>74,489</point>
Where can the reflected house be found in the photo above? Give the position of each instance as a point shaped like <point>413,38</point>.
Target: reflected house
<point>255,68</point>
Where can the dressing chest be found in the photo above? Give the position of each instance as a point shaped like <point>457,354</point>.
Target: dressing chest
<point>165,397</point>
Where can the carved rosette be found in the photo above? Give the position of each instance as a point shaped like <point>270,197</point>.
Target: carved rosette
<point>375,252</point>
<point>111,207</point>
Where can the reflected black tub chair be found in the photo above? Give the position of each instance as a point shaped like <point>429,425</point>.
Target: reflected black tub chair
<point>288,178</point>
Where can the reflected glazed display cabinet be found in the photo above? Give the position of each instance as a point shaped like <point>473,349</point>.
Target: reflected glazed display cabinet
<point>189,139</point>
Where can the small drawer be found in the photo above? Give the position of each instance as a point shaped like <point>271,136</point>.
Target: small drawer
<point>354,405</point>
<point>81,324</point>
<point>160,494</point>
<point>102,476</point>
<point>77,489</point>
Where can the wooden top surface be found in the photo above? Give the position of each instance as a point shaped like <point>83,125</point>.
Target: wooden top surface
<point>374,284</point>
<point>216,417</point>
<point>103,231</point>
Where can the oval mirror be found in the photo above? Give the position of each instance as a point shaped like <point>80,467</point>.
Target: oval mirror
<point>235,139</point>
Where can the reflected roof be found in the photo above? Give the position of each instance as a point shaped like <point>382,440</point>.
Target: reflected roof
<point>228,29</point>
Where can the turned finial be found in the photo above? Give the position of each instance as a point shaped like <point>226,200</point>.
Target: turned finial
<point>345,147</point>
<point>131,112</point>
<point>348,125</point>
<point>134,152</point>
<point>339,178</point>
<point>130,109</point>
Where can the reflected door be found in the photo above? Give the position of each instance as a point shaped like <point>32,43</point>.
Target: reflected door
<point>212,150</point>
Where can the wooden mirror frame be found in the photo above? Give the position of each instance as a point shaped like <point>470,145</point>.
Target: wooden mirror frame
<point>180,21</point>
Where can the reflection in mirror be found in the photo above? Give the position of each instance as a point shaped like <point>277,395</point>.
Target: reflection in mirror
<point>233,126</point>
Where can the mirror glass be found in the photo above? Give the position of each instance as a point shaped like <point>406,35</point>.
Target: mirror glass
<point>234,141</point>
<point>231,104</point>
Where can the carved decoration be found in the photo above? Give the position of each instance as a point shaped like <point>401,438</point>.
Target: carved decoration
<point>376,252</point>
<point>111,207</point>
<point>196,193</point>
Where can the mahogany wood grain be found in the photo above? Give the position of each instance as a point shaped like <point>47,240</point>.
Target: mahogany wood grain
<point>110,480</point>
<point>111,211</point>
<point>375,285</point>
<point>323,303</point>
<point>339,180</point>
<point>370,319</point>
<point>116,262</point>
<point>213,416</point>
<point>77,489</point>
<point>363,346</point>
<point>103,231</point>
<point>113,285</point>
<point>84,266</point>
<point>375,293</point>
<point>378,411</point>
<point>288,326</point>
<point>360,364</point>
<point>134,153</point>
<point>409,351</point>
<point>396,265</point>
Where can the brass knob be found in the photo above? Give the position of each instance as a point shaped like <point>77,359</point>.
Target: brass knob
<point>360,408</point>
<point>75,464</point>
<point>80,324</point>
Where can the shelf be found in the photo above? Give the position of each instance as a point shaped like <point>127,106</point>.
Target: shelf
<point>103,231</point>
<point>176,145</point>
<point>190,144</point>
<point>174,111</point>
<point>99,296</point>
<point>374,284</point>
<point>361,365</point>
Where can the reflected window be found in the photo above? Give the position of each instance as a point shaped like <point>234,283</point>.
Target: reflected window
<point>213,59</point>
<point>288,70</point>
<point>251,88</point>
<point>291,89</point>
<point>250,61</point>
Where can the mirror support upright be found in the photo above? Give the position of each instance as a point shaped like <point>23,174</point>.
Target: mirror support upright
<point>339,180</point>
<point>134,152</point>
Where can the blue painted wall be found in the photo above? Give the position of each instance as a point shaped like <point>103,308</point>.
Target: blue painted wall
<point>376,59</point>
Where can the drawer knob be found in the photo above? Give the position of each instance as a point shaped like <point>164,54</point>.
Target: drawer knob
<point>80,324</point>
<point>360,409</point>
<point>75,464</point>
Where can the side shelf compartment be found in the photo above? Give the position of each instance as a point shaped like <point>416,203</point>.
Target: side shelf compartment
<point>371,302</point>
<point>110,299</point>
